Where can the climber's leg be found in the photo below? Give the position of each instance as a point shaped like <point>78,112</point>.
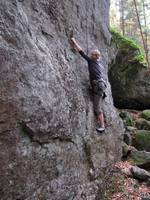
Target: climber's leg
<point>101,121</point>
<point>98,92</point>
<point>97,103</point>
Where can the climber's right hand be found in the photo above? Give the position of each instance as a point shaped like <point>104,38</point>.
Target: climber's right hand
<point>76,46</point>
<point>73,40</point>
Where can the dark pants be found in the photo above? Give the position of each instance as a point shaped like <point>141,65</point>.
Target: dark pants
<point>98,88</point>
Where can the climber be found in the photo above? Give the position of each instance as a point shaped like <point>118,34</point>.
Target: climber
<point>96,71</point>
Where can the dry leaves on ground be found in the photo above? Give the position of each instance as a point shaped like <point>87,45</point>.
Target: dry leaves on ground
<point>126,188</point>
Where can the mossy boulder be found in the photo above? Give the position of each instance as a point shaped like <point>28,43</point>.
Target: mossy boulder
<point>127,137</point>
<point>146,114</point>
<point>142,124</point>
<point>127,118</point>
<point>130,86</point>
<point>141,140</point>
<point>140,158</point>
<point>131,128</point>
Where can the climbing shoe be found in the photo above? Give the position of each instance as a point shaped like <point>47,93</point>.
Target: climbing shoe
<point>100,129</point>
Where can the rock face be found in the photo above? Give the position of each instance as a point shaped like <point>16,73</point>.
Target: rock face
<point>49,147</point>
<point>127,75</point>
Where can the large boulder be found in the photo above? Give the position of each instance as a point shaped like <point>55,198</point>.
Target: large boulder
<point>146,114</point>
<point>141,124</point>
<point>141,140</point>
<point>139,173</point>
<point>127,74</point>
<point>140,158</point>
<point>49,147</point>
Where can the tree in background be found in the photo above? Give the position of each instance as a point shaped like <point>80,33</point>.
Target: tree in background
<point>122,16</point>
<point>144,40</point>
<point>132,18</point>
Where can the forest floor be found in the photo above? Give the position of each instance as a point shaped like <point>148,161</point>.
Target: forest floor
<point>123,187</point>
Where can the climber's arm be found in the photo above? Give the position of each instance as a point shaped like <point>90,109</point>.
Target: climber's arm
<point>79,49</point>
<point>76,45</point>
<point>84,55</point>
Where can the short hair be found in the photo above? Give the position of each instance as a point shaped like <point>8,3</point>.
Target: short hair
<point>96,52</point>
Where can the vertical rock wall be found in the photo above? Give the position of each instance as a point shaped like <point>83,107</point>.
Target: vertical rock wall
<point>49,147</point>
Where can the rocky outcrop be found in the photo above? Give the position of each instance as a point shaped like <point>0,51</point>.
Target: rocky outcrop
<point>128,74</point>
<point>49,147</point>
<point>140,158</point>
<point>136,146</point>
<point>142,124</point>
<point>146,114</point>
<point>141,140</point>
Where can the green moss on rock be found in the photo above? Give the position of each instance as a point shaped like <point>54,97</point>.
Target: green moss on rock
<point>127,73</point>
<point>140,158</point>
<point>127,118</point>
<point>146,114</point>
<point>141,140</point>
<point>122,41</point>
<point>130,47</point>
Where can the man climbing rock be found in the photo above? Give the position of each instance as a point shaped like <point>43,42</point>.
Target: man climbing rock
<point>96,72</point>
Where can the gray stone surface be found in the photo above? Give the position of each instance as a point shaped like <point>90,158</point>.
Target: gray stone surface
<point>140,158</point>
<point>49,147</point>
<point>139,173</point>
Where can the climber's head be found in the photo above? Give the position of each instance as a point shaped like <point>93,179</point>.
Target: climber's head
<point>95,54</point>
